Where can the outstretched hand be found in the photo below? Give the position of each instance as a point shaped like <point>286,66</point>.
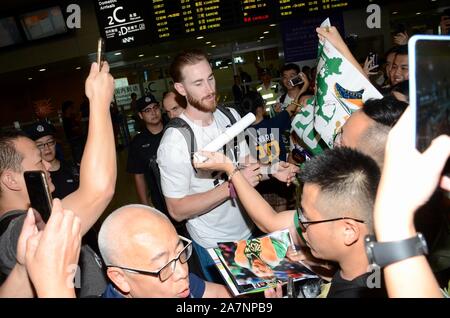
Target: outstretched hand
<point>408,184</point>
<point>369,65</point>
<point>99,86</point>
<point>285,172</point>
<point>401,38</point>
<point>52,254</point>
<point>216,161</point>
<point>332,35</point>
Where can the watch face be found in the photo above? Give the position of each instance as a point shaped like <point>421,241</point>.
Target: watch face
<point>368,242</point>
<point>423,243</point>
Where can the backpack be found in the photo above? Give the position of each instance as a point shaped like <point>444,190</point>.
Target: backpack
<point>189,137</point>
<point>90,278</point>
<point>283,98</point>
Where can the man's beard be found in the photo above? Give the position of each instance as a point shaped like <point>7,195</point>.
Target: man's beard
<point>201,105</point>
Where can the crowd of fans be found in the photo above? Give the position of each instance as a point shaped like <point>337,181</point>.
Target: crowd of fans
<point>371,183</point>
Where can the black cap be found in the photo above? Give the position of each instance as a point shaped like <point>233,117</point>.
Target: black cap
<point>40,129</point>
<point>144,101</point>
<point>265,71</point>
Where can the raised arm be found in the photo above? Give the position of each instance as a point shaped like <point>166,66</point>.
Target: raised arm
<point>98,166</point>
<point>264,216</point>
<point>332,35</point>
<point>405,186</point>
<point>197,204</point>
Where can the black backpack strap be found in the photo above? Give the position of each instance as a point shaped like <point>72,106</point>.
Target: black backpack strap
<point>282,98</point>
<point>6,219</point>
<point>187,133</point>
<point>227,112</point>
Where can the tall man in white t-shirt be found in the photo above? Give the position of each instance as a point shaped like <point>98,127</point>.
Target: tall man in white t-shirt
<point>202,198</point>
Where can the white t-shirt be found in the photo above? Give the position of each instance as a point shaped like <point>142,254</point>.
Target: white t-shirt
<point>225,223</point>
<point>287,101</point>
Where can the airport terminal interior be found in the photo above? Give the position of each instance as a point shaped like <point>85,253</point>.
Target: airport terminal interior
<point>47,48</point>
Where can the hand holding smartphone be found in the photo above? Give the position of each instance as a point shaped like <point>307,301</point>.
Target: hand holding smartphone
<point>297,80</point>
<point>429,88</point>
<point>39,193</point>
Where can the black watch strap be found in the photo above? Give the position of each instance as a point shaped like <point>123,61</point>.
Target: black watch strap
<point>386,253</point>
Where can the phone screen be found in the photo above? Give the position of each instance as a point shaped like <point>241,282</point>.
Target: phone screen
<point>39,193</point>
<point>432,81</point>
<point>296,81</point>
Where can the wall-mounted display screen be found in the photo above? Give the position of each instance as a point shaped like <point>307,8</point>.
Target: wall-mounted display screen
<point>43,23</point>
<point>126,23</point>
<point>9,33</point>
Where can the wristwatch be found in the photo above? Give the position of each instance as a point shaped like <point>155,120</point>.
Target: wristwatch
<point>382,254</point>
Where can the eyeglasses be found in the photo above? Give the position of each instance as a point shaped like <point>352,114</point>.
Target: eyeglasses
<point>304,223</point>
<point>50,143</point>
<point>153,108</point>
<point>167,270</point>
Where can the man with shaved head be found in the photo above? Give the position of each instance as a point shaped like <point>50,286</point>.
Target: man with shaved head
<point>367,129</point>
<point>146,258</point>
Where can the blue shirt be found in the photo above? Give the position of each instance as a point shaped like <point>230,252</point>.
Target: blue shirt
<point>270,146</point>
<point>196,286</point>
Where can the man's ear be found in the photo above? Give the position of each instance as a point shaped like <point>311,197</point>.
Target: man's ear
<point>180,89</point>
<point>117,276</point>
<point>140,116</point>
<point>9,179</point>
<point>351,232</point>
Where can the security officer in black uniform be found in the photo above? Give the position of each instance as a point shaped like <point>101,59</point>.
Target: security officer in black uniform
<point>143,149</point>
<point>64,176</point>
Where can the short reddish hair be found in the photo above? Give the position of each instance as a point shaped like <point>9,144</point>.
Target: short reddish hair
<point>189,57</point>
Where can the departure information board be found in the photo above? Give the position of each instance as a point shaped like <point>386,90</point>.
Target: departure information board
<point>294,8</point>
<point>257,11</point>
<point>174,18</point>
<point>138,22</point>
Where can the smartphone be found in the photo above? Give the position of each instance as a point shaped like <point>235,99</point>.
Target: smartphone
<point>100,53</point>
<point>39,193</point>
<point>429,87</point>
<point>296,81</point>
<point>374,56</point>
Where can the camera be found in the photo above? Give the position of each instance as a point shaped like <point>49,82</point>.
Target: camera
<point>296,81</point>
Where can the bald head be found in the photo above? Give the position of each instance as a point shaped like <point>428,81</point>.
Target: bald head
<point>129,233</point>
<point>174,104</point>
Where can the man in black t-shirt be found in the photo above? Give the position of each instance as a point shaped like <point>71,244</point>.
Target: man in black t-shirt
<point>143,149</point>
<point>73,128</point>
<point>64,176</point>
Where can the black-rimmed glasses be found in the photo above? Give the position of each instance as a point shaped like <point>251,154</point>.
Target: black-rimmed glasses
<point>167,270</point>
<point>304,223</point>
<point>49,144</point>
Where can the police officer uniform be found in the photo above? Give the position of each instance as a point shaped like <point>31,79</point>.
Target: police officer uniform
<point>143,149</point>
<point>66,179</point>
